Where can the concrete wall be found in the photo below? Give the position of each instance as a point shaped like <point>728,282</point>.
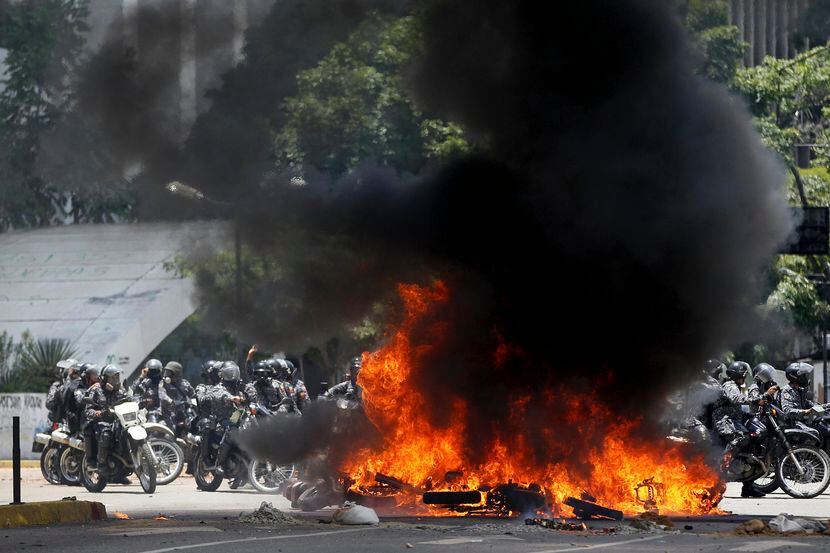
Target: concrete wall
<point>32,411</point>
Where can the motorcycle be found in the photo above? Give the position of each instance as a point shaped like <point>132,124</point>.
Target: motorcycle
<point>130,450</point>
<point>236,465</point>
<point>265,476</point>
<point>819,420</point>
<point>49,450</point>
<point>791,457</point>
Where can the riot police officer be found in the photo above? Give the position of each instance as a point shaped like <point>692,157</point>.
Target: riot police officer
<point>146,389</point>
<point>265,389</point>
<point>98,399</point>
<point>348,387</point>
<point>793,398</point>
<point>204,391</point>
<point>763,376</point>
<point>728,415</point>
<point>174,393</point>
<point>227,395</point>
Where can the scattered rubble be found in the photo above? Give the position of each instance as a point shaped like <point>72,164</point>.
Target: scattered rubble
<point>557,524</point>
<point>267,514</point>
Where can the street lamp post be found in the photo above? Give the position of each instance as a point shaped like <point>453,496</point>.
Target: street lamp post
<point>185,191</point>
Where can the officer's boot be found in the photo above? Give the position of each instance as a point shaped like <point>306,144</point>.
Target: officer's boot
<point>103,453</point>
<point>224,451</point>
<point>89,449</point>
<point>749,490</point>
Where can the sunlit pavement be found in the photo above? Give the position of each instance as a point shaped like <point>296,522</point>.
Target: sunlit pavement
<point>197,521</point>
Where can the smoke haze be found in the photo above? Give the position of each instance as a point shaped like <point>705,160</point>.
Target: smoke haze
<point>613,220</point>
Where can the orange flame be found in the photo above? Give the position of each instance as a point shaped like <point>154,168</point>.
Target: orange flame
<point>121,516</point>
<point>419,454</point>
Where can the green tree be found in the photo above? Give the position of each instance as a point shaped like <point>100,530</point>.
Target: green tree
<point>353,107</point>
<point>43,41</point>
<point>50,173</point>
<point>718,44</point>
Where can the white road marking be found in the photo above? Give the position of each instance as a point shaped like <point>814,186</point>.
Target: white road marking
<point>599,545</point>
<point>157,531</point>
<point>768,545</point>
<point>470,539</point>
<point>267,538</point>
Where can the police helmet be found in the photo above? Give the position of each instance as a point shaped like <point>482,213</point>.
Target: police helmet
<point>738,369</point>
<point>714,368</point>
<point>355,365</point>
<point>264,369</point>
<point>111,374</point>
<point>153,368</point>
<point>799,373</point>
<point>173,369</point>
<point>766,367</point>
<point>229,371</point>
<point>763,372</point>
<point>290,368</point>
<point>90,369</point>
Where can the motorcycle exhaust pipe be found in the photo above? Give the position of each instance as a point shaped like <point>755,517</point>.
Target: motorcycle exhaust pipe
<point>77,443</point>
<point>60,437</point>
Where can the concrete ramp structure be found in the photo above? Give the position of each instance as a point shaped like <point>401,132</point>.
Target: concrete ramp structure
<point>102,287</point>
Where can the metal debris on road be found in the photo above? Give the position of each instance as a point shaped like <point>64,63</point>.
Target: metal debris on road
<point>557,524</point>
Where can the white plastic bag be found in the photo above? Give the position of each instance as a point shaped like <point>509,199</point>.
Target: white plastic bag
<point>788,523</point>
<point>352,513</point>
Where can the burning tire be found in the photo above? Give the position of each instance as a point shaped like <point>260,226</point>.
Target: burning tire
<point>452,498</point>
<point>317,497</point>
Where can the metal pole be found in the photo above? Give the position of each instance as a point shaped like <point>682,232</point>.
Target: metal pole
<point>16,460</point>
<point>824,364</point>
<point>237,246</point>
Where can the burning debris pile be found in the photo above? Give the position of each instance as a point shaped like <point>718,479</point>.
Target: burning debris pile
<point>602,239</point>
<point>433,465</point>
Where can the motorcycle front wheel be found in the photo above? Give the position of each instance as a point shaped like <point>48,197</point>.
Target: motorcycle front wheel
<point>92,480</point>
<point>49,467</point>
<point>146,469</point>
<point>70,463</point>
<point>267,477</point>
<point>206,480</point>
<point>169,460</point>
<point>815,476</point>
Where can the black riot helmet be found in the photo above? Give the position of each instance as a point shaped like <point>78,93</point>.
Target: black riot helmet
<point>764,375</point>
<point>210,371</point>
<point>714,368</point>
<point>229,372</point>
<point>264,370</point>
<point>111,376</point>
<point>799,373</point>
<point>90,372</point>
<point>290,369</point>
<point>154,369</point>
<point>737,370</point>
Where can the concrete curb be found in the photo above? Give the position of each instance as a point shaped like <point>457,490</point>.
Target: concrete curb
<point>50,512</point>
<point>24,463</point>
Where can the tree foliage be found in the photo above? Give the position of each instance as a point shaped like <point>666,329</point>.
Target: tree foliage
<point>29,365</point>
<point>353,107</point>
<point>44,43</point>
<point>719,45</point>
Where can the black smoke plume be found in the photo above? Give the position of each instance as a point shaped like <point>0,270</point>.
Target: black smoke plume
<point>608,231</point>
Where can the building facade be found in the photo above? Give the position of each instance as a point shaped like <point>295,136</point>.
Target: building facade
<point>768,26</point>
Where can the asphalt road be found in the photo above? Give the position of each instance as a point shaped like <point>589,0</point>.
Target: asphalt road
<point>204,521</point>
